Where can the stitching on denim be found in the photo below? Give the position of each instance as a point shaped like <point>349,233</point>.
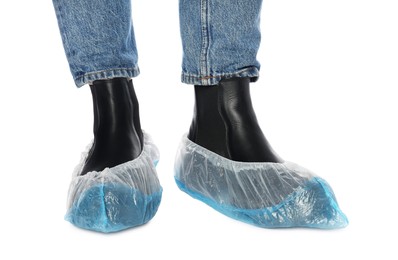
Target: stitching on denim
<point>87,77</point>
<point>250,71</point>
<point>88,74</point>
<point>204,59</point>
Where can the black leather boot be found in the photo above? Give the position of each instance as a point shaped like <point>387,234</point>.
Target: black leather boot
<point>224,122</point>
<point>117,131</point>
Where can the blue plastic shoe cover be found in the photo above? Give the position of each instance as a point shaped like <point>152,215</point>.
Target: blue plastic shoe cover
<point>116,198</point>
<point>269,195</point>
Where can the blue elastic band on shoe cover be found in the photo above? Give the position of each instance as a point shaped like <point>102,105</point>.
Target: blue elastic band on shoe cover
<point>116,198</point>
<point>267,195</point>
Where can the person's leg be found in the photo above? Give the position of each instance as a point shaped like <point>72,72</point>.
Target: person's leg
<point>225,160</point>
<point>220,43</point>
<point>99,43</point>
<point>116,186</point>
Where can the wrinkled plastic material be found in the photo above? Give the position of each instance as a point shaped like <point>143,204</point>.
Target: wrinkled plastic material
<point>116,198</point>
<point>269,195</point>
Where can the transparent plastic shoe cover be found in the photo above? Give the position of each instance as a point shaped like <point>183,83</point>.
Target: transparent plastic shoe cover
<point>116,198</point>
<point>269,195</point>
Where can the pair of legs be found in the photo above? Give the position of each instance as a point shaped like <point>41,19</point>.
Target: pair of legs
<point>225,161</point>
<point>220,41</point>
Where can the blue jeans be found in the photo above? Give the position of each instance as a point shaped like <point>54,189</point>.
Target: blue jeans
<point>220,39</point>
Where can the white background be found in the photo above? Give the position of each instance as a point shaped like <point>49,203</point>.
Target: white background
<point>326,99</point>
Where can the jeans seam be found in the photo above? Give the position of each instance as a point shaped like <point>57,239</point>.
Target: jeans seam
<point>204,59</point>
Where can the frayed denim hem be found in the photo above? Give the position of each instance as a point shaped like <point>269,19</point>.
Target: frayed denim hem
<point>89,77</point>
<point>193,79</point>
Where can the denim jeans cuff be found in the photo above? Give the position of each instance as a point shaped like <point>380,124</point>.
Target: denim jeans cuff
<point>89,77</point>
<point>194,79</point>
